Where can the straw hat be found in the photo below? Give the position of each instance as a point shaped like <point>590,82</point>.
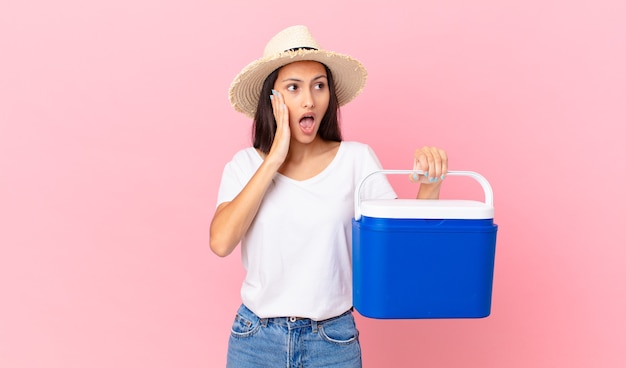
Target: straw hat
<point>290,45</point>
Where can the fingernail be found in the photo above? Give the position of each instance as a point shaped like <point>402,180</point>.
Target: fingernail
<point>426,173</point>
<point>274,92</point>
<point>271,97</point>
<point>283,106</point>
<point>414,176</point>
<point>430,180</point>
<point>443,177</point>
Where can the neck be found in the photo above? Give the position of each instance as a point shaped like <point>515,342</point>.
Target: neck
<point>300,151</point>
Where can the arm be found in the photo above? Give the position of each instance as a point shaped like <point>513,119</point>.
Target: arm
<point>232,219</point>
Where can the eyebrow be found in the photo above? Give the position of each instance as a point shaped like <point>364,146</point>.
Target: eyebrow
<point>293,79</point>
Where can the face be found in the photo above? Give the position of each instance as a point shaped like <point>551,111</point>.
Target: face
<point>304,85</point>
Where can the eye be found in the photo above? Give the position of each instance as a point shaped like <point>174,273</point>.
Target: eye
<point>292,88</point>
<point>320,86</point>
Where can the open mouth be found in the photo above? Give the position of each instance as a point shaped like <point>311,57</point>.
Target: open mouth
<point>307,122</point>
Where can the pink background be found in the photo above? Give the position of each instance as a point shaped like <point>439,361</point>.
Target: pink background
<point>115,126</point>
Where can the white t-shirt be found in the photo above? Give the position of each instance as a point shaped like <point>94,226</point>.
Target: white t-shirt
<point>298,250</point>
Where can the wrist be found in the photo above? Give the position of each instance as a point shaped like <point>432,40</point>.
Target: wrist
<point>429,191</point>
<point>272,161</point>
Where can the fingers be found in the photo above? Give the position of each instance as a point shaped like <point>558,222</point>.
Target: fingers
<point>280,145</point>
<point>441,163</point>
<point>414,177</point>
<point>433,161</point>
<point>279,108</point>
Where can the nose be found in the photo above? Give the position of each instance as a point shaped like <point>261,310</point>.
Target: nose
<point>307,100</point>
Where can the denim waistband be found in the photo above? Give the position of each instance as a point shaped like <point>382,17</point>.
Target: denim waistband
<point>293,322</point>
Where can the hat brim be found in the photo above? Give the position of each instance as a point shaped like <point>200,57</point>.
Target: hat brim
<point>349,76</point>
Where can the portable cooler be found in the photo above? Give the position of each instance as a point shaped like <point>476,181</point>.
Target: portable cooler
<point>416,258</point>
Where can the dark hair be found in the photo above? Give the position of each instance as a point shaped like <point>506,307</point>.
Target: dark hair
<point>264,125</point>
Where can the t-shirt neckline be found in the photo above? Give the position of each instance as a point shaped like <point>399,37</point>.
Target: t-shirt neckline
<point>314,177</point>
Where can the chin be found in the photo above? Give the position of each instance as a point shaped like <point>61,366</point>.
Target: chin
<point>307,139</point>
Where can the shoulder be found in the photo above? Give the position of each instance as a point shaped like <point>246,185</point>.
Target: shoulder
<point>361,155</point>
<point>356,147</point>
<point>359,151</point>
<point>244,161</point>
<point>246,155</point>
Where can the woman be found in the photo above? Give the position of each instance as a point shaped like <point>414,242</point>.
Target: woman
<point>289,201</point>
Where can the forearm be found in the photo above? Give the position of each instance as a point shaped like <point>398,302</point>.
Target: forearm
<point>232,219</point>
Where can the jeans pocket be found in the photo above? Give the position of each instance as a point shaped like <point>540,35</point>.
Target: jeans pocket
<point>244,327</point>
<point>340,331</point>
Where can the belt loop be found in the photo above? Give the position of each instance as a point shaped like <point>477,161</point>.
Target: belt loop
<point>263,322</point>
<point>314,326</point>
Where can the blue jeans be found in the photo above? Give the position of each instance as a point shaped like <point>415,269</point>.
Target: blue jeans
<point>291,342</point>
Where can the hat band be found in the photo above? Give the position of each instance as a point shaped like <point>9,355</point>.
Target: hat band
<point>301,48</point>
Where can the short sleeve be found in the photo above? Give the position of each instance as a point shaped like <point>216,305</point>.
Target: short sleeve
<point>237,173</point>
<point>376,186</point>
<point>230,187</point>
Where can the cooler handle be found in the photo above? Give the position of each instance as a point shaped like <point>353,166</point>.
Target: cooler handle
<point>476,176</point>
